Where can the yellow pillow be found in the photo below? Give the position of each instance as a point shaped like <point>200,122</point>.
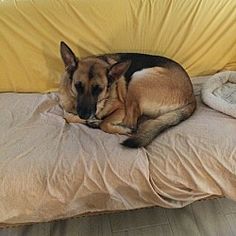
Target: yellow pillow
<point>201,35</point>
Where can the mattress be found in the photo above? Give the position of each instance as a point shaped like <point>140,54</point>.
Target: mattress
<point>50,169</point>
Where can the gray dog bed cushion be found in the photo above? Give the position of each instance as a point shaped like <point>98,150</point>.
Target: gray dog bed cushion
<point>219,92</point>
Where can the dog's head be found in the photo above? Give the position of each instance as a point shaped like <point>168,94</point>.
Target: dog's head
<point>90,79</point>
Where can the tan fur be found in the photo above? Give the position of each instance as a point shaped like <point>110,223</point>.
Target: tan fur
<point>113,111</point>
<point>168,89</point>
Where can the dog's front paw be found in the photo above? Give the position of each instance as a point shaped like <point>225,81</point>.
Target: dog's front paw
<point>71,118</point>
<point>68,117</point>
<point>93,123</point>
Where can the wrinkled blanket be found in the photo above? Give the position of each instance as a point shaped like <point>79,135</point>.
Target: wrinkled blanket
<point>219,92</point>
<point>50,169</point>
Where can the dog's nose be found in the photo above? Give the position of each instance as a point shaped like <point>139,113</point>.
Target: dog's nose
<point>83,114</point>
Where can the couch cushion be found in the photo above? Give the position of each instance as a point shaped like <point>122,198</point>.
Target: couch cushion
<point>198,34</point>
<point>50,169</point>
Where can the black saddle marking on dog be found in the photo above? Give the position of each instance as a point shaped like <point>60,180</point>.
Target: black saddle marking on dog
<point>143,61</point>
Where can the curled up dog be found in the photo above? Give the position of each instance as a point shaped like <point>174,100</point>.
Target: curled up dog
<point>127,93</point>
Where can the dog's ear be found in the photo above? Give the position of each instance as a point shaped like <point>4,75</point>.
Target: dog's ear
<point>111,61</point>
<point>107,59</point>
<point>117,70</point>
<point>68,57</point>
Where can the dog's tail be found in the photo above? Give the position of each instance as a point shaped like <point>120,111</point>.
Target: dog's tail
<point>151,128</point>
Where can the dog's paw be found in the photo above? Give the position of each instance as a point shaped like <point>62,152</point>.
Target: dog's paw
<point>130,129</point>
<point>123,130</point>
<point>93,123</point>
<point>71,118</point>
<point>68,117</point>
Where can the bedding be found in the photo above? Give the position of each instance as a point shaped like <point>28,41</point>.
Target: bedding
<point>51,170</point>
<point>219,92</point>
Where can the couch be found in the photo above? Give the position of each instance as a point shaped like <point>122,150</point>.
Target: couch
<point>50,169</point>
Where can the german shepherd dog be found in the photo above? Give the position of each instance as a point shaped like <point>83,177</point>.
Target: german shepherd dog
<point>127,93</point>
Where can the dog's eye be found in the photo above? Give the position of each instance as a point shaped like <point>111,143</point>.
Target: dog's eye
<point>79,87</point>
<point>96,90</point>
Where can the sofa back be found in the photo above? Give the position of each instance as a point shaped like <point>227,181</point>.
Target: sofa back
<point>201,35</point>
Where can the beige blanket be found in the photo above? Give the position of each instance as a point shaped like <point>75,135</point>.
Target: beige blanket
<point>50,169</point>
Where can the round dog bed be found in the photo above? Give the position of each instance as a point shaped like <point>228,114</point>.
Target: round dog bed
<point>219,92</point>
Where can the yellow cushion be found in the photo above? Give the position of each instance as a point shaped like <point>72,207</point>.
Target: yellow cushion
<point>201,35</point>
